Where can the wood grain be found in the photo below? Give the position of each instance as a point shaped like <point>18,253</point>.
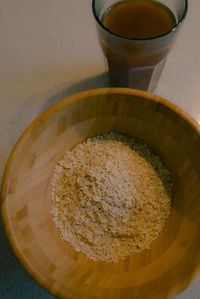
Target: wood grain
<point>172,260</point>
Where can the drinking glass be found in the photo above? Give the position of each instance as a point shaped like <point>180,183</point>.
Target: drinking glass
<point>137,63</point>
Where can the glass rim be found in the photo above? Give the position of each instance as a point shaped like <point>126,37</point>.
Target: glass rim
<point>141,39</point>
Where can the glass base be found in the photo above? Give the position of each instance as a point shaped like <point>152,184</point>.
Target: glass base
<point>143,78</point>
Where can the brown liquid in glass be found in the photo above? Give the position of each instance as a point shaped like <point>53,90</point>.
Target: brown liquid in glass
<point>139,19</point>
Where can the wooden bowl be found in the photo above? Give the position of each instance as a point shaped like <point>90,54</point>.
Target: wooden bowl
<point>172,260</point>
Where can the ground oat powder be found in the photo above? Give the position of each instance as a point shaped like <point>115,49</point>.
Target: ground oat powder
<point>111,197</point>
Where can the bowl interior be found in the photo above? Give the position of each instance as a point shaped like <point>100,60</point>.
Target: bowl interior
<point>172,260</point>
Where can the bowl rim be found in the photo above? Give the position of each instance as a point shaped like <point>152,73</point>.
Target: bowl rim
<point>36,122</point>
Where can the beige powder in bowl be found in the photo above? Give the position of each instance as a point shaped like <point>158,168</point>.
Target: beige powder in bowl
<point>111,197</point>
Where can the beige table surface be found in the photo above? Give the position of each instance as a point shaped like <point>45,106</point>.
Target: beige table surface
<point>49,50</point>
